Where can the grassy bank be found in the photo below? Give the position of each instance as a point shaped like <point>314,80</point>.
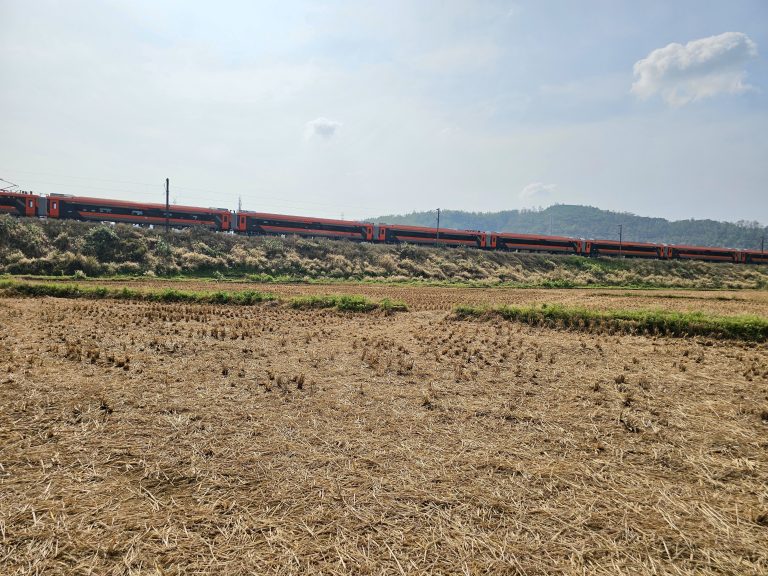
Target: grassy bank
<point>750,328</point>
<point>88,250</point>
<point>11,288</point>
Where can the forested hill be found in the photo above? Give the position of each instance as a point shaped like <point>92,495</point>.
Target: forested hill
<point>589,222</point>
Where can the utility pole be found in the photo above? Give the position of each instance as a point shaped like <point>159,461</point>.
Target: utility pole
<point>620,240</point>
<point>437,240</point>
<point>239,203</point>
<point>167,207</point>
<point>762,244</point>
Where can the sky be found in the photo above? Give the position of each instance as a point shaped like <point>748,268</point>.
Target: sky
<point>357,109</point>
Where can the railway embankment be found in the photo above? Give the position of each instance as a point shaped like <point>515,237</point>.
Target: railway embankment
<point>87,250</point>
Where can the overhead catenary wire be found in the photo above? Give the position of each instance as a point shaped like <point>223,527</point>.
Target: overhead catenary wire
<point>185,194</point>
<point>7,188</point>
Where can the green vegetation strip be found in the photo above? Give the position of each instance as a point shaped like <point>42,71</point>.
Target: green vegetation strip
<point>263,278</point>
<point>348,303</point>
<point>244,298</point>
<point>241,298</point>
<point>752,328</point>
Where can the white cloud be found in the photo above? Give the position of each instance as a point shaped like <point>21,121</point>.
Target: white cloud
<point>322,128</point>
<point>700,69</point>
<point>537,191</point>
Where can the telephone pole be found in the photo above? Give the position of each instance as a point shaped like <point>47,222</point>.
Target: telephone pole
<point>437,240</point>
<point>620,239</point>
<point>167,207</point>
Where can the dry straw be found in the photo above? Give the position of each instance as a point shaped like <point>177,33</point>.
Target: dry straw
<point>145,437</point>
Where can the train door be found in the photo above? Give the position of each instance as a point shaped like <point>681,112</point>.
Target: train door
<point>241,222</point>
<point>53,207</point>
<point>30,206</point>
<point>226,221</point>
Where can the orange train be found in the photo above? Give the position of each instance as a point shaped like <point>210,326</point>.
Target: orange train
<point>262,223</point>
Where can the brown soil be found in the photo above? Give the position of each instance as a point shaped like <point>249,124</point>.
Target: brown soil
<point>141,438</point>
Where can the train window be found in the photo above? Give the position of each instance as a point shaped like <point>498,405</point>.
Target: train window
<point>105,210</point>
<point>31,205</point>
<point>137,212</point>
<point>54,205</point>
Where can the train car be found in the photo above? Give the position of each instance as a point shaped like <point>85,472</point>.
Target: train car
<point>754,257</point>
<point>63,206</point>
<point>19,204</point>
<point>102,210</point>
<point>703,253</point>
<point>395,234</point>
<point>534,243</point>
<point>257,223</point>
<point>629,249</point>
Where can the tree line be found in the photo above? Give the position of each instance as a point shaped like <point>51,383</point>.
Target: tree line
<point>589,222</point>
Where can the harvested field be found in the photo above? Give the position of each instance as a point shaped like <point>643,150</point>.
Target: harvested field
<point>157,438</point>
<point>723,302</point>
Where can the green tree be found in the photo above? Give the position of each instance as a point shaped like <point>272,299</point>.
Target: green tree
<point>103,243</point>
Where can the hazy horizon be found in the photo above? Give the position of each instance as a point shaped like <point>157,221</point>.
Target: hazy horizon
<point>654,108</point>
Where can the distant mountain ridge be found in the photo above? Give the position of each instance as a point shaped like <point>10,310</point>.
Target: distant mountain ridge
<point>590,222</point>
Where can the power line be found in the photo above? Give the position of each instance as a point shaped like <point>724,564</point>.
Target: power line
<point>85,178</point>
<point>180,188</point>
<point>198,198</point>
<point>6,188</point>
<point>191,194</point>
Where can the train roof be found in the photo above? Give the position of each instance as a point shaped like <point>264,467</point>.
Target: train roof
<point>268,215</point>
<point>430,229</point>
<point>625,243</point>
<point>534,236</point>
<point>139,205</point>
<point>20,193</point>
<point>718,248</point>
